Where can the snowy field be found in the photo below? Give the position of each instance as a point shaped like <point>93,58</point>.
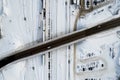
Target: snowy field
<point>23,21</point>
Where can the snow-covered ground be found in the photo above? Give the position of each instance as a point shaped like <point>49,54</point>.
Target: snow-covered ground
<point>105,47</point>
<point>21,22</point>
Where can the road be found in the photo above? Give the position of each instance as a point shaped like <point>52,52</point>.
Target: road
<point>57,42</point>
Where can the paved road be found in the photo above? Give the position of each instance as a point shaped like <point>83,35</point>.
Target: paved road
<point>49,45</point>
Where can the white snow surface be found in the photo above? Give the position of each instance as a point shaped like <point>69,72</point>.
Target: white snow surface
<point>20,24</point>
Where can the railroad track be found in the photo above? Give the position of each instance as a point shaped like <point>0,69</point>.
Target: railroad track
<point>57,42</point>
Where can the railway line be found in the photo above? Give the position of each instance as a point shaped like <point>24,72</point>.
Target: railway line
<point>57,42</point>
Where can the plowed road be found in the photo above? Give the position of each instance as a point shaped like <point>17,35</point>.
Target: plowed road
<point>55,43</point>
